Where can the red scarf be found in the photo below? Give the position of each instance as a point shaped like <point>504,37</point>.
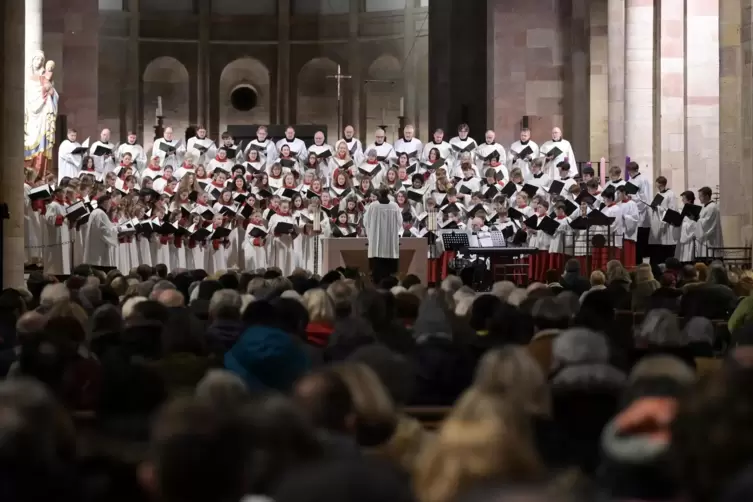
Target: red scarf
<point>201,177</point>
<point>218,159</point>
<point>282,214</point>
<point>153,168</point>
<point>495,163</point>
<point>561,217</point>
<point>214,183</point>
<point>276,177</point>
<point>372,162</point>
<point>522,206</point>
<point>611,204</point>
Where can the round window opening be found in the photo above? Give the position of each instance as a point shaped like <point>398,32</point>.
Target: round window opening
<point>243,99</point>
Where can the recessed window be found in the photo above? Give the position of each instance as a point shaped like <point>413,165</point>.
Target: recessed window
<point>244,7</point>
<point>243,98</point>
<point>321,7</point>
<point>112,5</point>
<point>384,5</point>
<point>167,5</point>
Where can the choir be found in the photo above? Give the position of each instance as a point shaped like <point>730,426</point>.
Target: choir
<point>200,205</point>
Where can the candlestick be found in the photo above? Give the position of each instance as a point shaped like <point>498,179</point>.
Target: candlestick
<point>603,171</point>
<point>402,107</point>
<point>159,106</point>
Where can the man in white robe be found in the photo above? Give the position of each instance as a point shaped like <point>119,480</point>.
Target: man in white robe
<point>662,238</point>
<point>100,249</point>
<point>566,152</point>
<point>104,163</point>
<point>460,144</point>
<point>484,150</point>
<point>438,142</point>
<point>265,146</point>
<point>56,255</point>
<point>175,157</point>
<point>710,241</point>
<point>138,156</point>
<point>383,224</point>
<point>323,152</point>
<point>355,148</point>
<point>297,146</point>
<point>523,162</point>
<point>385,152</point>
<point>409,145</point>
<point>643,198</point>
<point>202,149</point>
<point>69,163</point>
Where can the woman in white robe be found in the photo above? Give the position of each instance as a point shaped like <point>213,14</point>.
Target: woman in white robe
<point>312,238</point>
<point>215,254</point>
<point>255,246</point>
<point>32,226</point>
<point>56,256</point>
<point>282,254</point>
<point>195,249</point>
<point>176,246</point>
<point>102,239</point>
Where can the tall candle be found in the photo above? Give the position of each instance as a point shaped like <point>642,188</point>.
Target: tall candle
<point>402,107</point>
<point>627,174</point>
<point>603,171</point>
<point>159,106</point>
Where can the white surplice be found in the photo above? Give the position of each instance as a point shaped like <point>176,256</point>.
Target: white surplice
<point>102,240</point>
<point>645,194</point>
<point>137,154</point>
<point>56,257</point>
<point>663,234</point>
<point>297,148</point>
<point>522,164</point>
<point>201,158</point>
<point>267,150</point>
<point>710,239</point>
<point>414,148</point>
<point>68,163</point>
<point>486,149</point>
<point>282,254</point>
<point>32,229</point>
<point>102,165</point>
<point>385,152</point>
<point>383,224</point>
<point>686,242</point>
<point>356,149</point>
<point>444,148</point>
<point>567,152</point>
<point>313,244</point>
<point>174,159</point>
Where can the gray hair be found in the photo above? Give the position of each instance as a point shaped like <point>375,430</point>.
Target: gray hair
<point>54,293</point>
<point>221,388</point>
<point>160,286</point>
<point>502,289</point>
<point>699,330</point>
<point>660,327</point>
<point>580,346</point>
<point>661,366</point>
<point>451,284</point>
<point>130,304</point>
<point>222,300</point>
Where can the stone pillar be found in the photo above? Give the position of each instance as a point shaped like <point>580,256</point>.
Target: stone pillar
<point>79,98</point>
<point>576,120</point>
<point>616,56</point>
<point>202,68</point>
<point>283,61</point>
<point>355,84</point>
<point>670,116</point>
<point>33,32</point>
<point>746,111</point>
<point>639,84</point>
<point>440,64</point>
<point>133,79</point>
<point>12,140</point>
<point>599,81</point>
<point>409,71</point>
<point>702,88</point>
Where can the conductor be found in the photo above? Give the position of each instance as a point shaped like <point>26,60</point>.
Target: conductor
<point>383,223</point>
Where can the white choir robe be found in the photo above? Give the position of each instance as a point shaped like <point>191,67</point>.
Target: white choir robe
<point>383,224</point>
<point>338,164</point>
<point>566,189</point>
<point>137,154</point>
<point>630,219</point>
<point>215,260</point>
<point>462,145</point>
<point>174,159</point>
<point>267,150</point>
<point>686,250</point>
<point>282,254</point>
<point>102,240</point>
<point>225,166</point>
<point>663,234</point>
<point>33,237</point>
<point>644,194</point>
<point>710,232</point>
<point>614,184</point>
<point>472,184</point>
<point>144,250</point>
<point>124,257</point>
<point>617,229</point>
<point>355,148</point>
<point>318,150</point>
<point>313,245</point>
<point>523,165</point>
<point>297,148</point>
<point>68,164</point>
<point>235,258</point>
<point>385,152</point>
<point>178,258</point>
<point>56,258</point>
<point>152,173</point>
<point>195,259</point>
<point>567,152</point>
<point>255,256</point>
<point>445,151</point>
<point>484,150</point>
<point>543,241</point>
<point>561,241</point>
<point>199,157</point>
<point>162,251</point>
<point>542,181</point>
<point>414,148</point>
<point>102,165</point>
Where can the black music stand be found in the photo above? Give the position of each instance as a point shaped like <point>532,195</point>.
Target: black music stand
<point>455,241</point>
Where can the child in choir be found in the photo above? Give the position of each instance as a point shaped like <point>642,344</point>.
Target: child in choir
<point>311,164</point>
<point>490,186</point>
<point>343,228</point>
<point>521,204</point>
<point>56,257</point>
<point>516,178</point>
<point>288,161</point>
<point>220,163</point>
<point>417,193</point>
<point>201,173</point>
<point>254,165</point>
<point>615,177</point>
<point>142,238</point>
<point>124,246</point>
<point>215,255</point>
<point>630,218</point>
<point>558,242</point>
<point>161,242</point>
<point>176,246</point>
<point>364,189</point>
<point>539,262</point>
<point>283,227</point>
<point>643,198</point>
<point>352,211</point>
<point>238,171</point>
<point>663,237</point>
<point>195,258</point>
<point>564,170</point>
<point>33,235</point>
<point>256,242</point>
<point>588,174</point>
<point>614,236</point>
<point>468,185</point>
<point>315,228</point>
<point>538,177</point>
<point>710,241</point>
<point>686,250</point>
<point>340,187</point>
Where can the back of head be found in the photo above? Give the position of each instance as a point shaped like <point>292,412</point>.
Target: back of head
<point>661,328</point>
<point>225,305</point>
<point>319,306</point>
<point>579,346</point>
<point>229,281</point>
<point>342,294</point>
<point>549,313</point>
<point>207,289</point>
<point>222,389</point>
<point>261,313</point>
<point>293,316</point>
<point>171,298</point>
<point>53,293</point>
<point>482,310</point>
<point>326,399</point>
<point>395,371</point>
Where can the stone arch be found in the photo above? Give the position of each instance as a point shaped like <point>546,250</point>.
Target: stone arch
<point>244,74</point>
<point>383,98</point>
<point>316,98</point>
<point>168,78</point>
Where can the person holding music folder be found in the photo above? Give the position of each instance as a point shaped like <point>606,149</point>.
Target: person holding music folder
<point>488,151</point>
<point>102,239</point>
<point>215,255</point>
<point>56,255</point>
<point>710,239</point>
<point>540,239</point>
<point>385,152</point>
<point>662,238</point>
<point>264,147</point>
<point>687,222</point>
<point>283,227</point>
<point>615,177</point>
<point>630,219</point>
<point>610,217</point>
<point>523,153</point>
<point>353,144</point>
<point>409,145</point>
<point>639,188</point>
<point>296,146</point>
<point>558,241</point>
<point>255,245</point>
<point>221,162</point>
<point>558,150</point>
<point>169,149</point>
<point>444,149</point>
<point>382,223</point>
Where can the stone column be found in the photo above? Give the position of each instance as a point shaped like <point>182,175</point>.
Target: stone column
<point>12,139</point>
<point>616,73</point>
<point>202,68</point>
<point>639,84</point>
<point>355,84</point>
<point>670,116</point>
<point>576,123</point>
<point>33,20</point>
<point>283,61</point>
<point>599,81</point>
<point>409,70</point>
<point>133,114</point>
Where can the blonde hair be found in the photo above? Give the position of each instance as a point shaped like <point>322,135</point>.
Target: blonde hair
<point>643,273</point>
<point>319,306</point>
<point>512,372</point>
<point>371,400</point>
<point>597,278</point>
<point>483,438</point>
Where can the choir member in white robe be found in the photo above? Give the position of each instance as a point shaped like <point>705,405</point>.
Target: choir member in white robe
<point>410,145</point>
<point>69,163</point>
<point>255,245</point>
<point>469,185</point>
<point>32,225</point>
<point>686,250</point>
<point>105,163</point>
<point>539,178</point>
<point>355,148</point>
<point>323,152</point>
<point>315,229</point>
<point>385,152</point>
<point>215,254</point>
<point>710,239</point>
<point>220,163</point>
<point>264,146</point>
<point>630,221</point>
<point>56,256</point>
<point>138,156</point>
<point>102,239</point>
<point>484,152</point>
<point>566,152</point>
<point>142,239</point>
<point>201,147</point>
<point>643,198</point>
<point>195,258</point>
<point>523,162</point>
<point>462,143</point>
<point>438,142</point>
<point>383,223</point>
<point>342,161</point>
<point>297,146</point>
<point>282,254</point>
<point>663,237</point>
<point>178,149</point>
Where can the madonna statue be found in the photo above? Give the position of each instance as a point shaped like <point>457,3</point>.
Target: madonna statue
<point>41,110</point>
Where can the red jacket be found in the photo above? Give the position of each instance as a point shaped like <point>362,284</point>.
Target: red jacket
<point>318,333</point>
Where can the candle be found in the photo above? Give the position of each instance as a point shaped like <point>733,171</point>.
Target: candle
<point>603,171</point>
<point>159,106</point>
<point>627,161</point>
<point>402,107</point>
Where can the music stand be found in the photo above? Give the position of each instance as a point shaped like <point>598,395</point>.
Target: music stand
<point>498,239</point>
<point>455,241</point>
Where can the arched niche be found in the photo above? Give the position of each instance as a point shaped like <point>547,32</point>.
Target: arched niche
<point>317,96</point>
<point>384,88</point>
<point>244,93</point>
<point>165,77</point>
